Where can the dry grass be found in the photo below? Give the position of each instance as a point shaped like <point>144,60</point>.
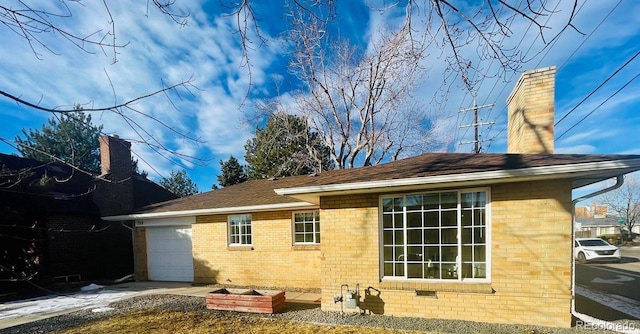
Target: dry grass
<point>154,321</point>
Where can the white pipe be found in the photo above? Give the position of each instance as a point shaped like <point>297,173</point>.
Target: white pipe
<point>591,321</point>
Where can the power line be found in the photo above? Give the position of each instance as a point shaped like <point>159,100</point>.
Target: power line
<point>594,30</point>
<point>597,88</point>
<point>596,108</point>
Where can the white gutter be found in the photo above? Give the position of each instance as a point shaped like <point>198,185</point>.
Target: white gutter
<point>587,319</point>
<point>228,210</point>
<point>532,173</point>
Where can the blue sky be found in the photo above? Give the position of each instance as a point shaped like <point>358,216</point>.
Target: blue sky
<point>220,113</point>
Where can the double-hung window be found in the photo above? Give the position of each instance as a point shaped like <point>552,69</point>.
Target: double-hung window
<point>435,235</point>
<point>240,230</point>
<point>306,227</point>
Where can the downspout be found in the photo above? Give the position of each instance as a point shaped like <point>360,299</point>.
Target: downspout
<point>587,319</point>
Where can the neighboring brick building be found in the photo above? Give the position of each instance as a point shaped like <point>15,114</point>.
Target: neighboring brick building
<point>51,224</point>
<point>482,237</point>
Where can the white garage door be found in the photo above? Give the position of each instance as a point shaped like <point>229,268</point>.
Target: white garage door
<point>169,256</point>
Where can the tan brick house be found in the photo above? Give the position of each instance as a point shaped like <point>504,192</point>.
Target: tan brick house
<point>483,237</point>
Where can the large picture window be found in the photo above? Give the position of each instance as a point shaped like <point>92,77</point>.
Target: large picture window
<point>306,227</point>
<point>439,235</point>
<point>240,230</point>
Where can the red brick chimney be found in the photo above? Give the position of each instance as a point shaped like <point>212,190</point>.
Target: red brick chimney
<point>531,113</point>
<point>114,187</point>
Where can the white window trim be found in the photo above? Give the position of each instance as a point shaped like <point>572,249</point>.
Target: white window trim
<point>293,228</point>
<point>229,243</point>
<point>461,280</point>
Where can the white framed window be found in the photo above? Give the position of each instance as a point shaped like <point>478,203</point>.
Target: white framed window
<point>240,230</point>
<point>306,227</point>
<point>435,235</point>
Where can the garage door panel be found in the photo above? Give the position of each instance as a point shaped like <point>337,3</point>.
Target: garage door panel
<point>169,253</point>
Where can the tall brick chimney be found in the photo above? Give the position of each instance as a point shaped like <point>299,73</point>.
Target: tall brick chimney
<point>531,113</point>
<point>114,187</point>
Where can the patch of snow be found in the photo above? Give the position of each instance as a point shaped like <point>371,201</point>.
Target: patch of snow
<point>57,304</point>
<point>91,287</point>
<point>102,309</point>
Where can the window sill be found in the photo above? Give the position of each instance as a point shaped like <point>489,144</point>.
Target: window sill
<point>305,247</point>
<point>460,287</point>
<point>239,248</point>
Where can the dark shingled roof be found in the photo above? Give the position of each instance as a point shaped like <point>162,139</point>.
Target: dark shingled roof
<point>261,192</point>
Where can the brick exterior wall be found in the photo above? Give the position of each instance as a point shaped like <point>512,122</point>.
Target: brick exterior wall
<point>272,260</point>
<point>531,251</point>
<point>531,113</point>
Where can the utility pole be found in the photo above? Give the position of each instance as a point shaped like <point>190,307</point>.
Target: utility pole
<point>477,148</point>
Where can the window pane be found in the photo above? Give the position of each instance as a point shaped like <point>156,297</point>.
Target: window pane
<point>431,201</point>
<point>449,200</point>
<point>414,237</point>
<point>414,202</point>
<point>317,237</point>
<point>431,253</point>
<point>467,254</point>
<point>480,270</point>
<point>449,253</point>
<point>388,269</point>
<point>450,236</point>
<point>299,237</point>
<point>399,253</point>
<point>431,236</point>
<point>399,269</point>
<point>467,200</point>
<point>387,204</point>
<point>299,228</point>
<point>480,235</point>
<point>387,221</point>
<point>432,219</point>
<point>449,218</point>
<point>388,254</point>
<point>449,271</point>
<point>414,254</point>
<point>467,217</point>
<point>308,227</point>
<point>387,237</point>
<point>308,238</point>
<point>480,199</point>
<point>414,219</point>
<point>479,217</point>
<point>480,253</point>
<point>466,236</point>
<point>414,270</point>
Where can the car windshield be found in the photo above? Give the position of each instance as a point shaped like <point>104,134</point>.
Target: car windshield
<point>593,242</point>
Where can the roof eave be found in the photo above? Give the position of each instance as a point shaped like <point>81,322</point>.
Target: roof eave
<point>582,174</point>
<point>214,211</point>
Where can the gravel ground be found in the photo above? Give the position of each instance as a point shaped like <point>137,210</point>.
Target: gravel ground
<point>294,312</point>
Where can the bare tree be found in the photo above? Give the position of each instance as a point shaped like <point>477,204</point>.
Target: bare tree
<point>462,32</point>
<point>34,22</point>
<point>360,103</point>
<point>625,203</point>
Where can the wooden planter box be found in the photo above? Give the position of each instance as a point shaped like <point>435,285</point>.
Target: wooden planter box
<point>246,300</point>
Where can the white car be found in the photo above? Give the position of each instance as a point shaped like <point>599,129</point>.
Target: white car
<point>595,249</point>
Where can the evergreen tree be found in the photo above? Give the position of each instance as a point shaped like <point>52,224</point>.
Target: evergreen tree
<point>71,138</point>
<point>286,147</point>
<point>180,184</point>
<point>232,173</point>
